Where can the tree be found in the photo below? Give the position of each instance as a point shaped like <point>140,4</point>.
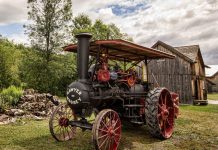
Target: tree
<point>99,30</point>
<point>82,23</point>
<point>48,31</point>
<point>9,62</point>
<point>50,22</point>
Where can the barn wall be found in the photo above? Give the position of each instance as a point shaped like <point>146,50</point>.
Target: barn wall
<point>214,79</point>
<point>174,74</point>
<point>199,75</point>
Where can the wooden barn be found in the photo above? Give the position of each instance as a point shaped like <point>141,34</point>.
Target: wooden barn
<point>211,86</point>
<point>185,74</point>
<point>212,83</point>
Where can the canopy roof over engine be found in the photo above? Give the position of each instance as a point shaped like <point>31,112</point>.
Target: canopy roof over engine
<point>121,50</point>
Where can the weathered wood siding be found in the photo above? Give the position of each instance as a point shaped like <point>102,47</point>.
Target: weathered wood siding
<point>174,74</point>
<point>198,75</point>
<point>214,79</point>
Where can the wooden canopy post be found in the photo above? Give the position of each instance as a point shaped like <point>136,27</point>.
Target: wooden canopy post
<point>145,70</point>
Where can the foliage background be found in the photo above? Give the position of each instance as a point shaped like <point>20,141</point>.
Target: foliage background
<point>43,65</point>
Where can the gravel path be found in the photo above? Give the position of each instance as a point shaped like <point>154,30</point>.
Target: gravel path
<point>213,102</point>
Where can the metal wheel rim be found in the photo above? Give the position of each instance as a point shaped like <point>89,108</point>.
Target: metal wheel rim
<point>165,114</point>
<point>108,131</point>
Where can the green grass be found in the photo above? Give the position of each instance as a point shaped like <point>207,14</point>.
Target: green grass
<point>196,128</point>
<point>212,96</point>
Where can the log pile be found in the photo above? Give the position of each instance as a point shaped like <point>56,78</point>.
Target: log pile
<point>33,104</point>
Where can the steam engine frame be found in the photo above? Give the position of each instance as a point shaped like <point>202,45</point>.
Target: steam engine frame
<point>106,95</point>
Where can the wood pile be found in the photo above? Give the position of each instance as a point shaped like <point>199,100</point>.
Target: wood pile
<point>32,104</point>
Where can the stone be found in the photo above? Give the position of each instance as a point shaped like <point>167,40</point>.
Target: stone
<point>40,113</point>
<point>14,112</point>
<point>3,117</point>
<point>37,118</point>
<point>19,112</point>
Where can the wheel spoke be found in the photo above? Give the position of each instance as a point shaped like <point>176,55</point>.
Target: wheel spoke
<point>116,122</point>
<point>68,133</point>
<point>168,122</point>
<point>60,133</point>
<point>106,145</point>
<point>104,124</point>
<point>109,148</point>
<point>117,128</point>
<point>63,132</point>
<point>58,130</point>
<point>103,142</point>
<point>56,126</point>
<point>73,129</point>
<point>102,130</point>
<point>117,135</point>
<point>102,136</point>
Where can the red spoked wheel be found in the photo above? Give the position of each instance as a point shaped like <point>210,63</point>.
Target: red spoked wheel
<point>107,130</point>
<point>58,123</point>
<point>160,113</point>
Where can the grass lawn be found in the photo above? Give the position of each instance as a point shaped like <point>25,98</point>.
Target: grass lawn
<point>196,128</point>
<point>212,96</point>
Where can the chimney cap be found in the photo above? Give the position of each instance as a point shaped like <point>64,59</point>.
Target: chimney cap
<point>84,35</point>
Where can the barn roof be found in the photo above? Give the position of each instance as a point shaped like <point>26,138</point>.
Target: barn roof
<point>173,50</point>
<point>211,82</point>
<point>122,50</point>
<point>189,51</point>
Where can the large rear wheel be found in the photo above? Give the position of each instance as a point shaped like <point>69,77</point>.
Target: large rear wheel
<point>159,113</point>
<point>107,130</point>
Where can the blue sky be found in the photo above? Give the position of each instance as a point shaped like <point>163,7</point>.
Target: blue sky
<point>120,10</point>
<point>146,21</point>
<point>9,29</point>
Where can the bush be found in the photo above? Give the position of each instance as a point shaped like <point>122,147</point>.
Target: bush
<point>10,96</point>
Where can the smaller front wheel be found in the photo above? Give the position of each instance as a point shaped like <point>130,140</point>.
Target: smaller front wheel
<point>107,130</point>
<point>59,123</point>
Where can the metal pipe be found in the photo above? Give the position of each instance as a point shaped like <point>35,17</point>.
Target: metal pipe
<point>83,55</point>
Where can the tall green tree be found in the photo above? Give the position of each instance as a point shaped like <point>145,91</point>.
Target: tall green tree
<point>99,30</point>
<point>50,21</point>
<point>82,23</point>
<point>48,31</point>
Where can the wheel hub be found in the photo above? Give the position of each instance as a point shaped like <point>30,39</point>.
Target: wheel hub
<point>63,122</point>
<point>164,113</point>
<point>110,131</point>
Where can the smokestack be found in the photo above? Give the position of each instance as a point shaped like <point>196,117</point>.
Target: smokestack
<point>83,54</point>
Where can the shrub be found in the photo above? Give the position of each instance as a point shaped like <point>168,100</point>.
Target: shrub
<point>10,96</point>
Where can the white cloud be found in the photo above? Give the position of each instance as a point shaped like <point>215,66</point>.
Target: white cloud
<point>13,11</point>
<point>19,38</point>
<point>174,22</point>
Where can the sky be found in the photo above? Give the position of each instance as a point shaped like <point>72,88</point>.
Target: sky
<point>211,71</point>
<point>175,22</point>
